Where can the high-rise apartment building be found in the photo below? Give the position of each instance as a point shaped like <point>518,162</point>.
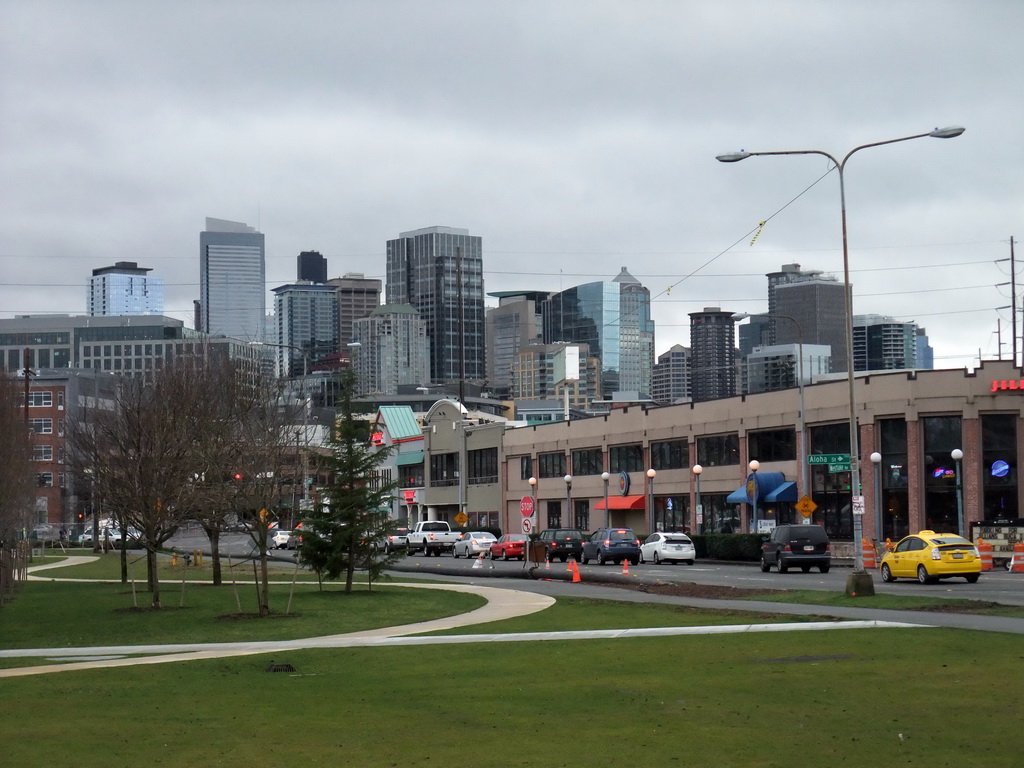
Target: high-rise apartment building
<point>614,319</point>
<point>511,326</point>
<point>392,350</point>
<point>306,317</point>
<point>671,379</point>
<point>439,272</point>
<point>311,266</point>
<point>560,371</point>
<point>881,343</point>
<point>358,296</point>
<point>125,289</point>
<point>712,354</point>
<point>779,366</point>
<point>232,280</point>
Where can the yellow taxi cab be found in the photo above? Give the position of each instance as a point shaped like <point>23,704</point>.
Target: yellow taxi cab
<point>929,556</point>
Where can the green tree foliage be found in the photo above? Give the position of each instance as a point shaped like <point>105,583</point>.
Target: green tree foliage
<point>347,525</point>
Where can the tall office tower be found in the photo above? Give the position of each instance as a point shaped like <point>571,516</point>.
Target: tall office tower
<point>515,323</point>
<point>756,333</point>
<point>358,296</point>
<point>881,343</point>
<point>671,379</point>
<point>125,289</point>
<point>549,371</point>
<point>232,280</point>
<point>439,271</point>
<point>306,316</point>
<point>816,304</point>
<point>925,353</point>
<point>712,354</point>
<point>614,318</point>
<point>769,368</point>
<point>393,350</point>
<point>312,266</point>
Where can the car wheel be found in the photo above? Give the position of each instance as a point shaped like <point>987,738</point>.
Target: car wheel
<point>922,575</point>
<point>505,556</point>
<point>765,565</point>
<point>689,562</point>
<point>823,568</point>
<point>972,578</point>
<point>657,559</point>
<point>455,553</point>
<point>634,560</point>
<point>805,568</point>
<point>887,574</point>
<point>584,559</point>
<point>783,568</point>
<point>600,557</point>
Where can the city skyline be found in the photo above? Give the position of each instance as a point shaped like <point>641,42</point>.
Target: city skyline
<point>573,139</point>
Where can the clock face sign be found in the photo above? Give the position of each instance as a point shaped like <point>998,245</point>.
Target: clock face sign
<point>623,483</point>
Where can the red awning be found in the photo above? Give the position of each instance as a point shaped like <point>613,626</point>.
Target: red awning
<point>622,502</point>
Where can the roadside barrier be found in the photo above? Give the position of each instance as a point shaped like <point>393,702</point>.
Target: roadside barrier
<point>1017,566</point>
<point>985,554</point>
<point>867,550</point>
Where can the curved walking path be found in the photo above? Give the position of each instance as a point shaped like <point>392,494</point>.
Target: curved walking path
<point>502,603</point>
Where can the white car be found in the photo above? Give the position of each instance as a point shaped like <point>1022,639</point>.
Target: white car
<point>667,548</point>
<point>279,539</point>
<point>474,543</point>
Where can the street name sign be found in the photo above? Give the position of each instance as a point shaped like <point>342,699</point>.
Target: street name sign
<point>829,458</point>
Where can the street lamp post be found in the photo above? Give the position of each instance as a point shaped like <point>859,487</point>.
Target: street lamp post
<point>754,465</point>
<point>568,501</point>
<point>699,519</point>
<point>650,490</point>
<point>802,417</point>
<point>957,455</point>
<point>536,513</point>
<point>860,582</point>
<point>605,477</point>
<point>876,459</point>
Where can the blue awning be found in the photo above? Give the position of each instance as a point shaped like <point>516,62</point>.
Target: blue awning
<point>770,486</point>
<point>785,492</point>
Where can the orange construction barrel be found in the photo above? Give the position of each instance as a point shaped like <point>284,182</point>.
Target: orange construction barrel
<point>985,553</point>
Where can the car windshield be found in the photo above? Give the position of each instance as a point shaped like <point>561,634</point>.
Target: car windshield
<point>678,539</point>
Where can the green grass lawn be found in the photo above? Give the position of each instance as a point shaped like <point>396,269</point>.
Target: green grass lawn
<point>791,699</point>
<point>801,698</point>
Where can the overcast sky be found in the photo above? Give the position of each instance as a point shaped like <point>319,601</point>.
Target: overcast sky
<point>574,137</point>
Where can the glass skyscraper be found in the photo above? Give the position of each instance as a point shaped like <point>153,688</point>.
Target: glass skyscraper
<point>306,316</point>
<point>614,318</point>
<point>125,289</point>
<point>439,272</point>
<point>232,280</point>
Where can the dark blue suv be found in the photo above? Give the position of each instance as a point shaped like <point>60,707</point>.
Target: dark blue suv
<point>615,544</point>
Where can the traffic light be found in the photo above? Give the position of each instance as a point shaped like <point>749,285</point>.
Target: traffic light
<point>237,477</point>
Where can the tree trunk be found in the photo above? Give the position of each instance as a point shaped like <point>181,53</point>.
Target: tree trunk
<point>154,578</point>
<point>350,571</point>
<point>213,534</point>
<point>264,589</point>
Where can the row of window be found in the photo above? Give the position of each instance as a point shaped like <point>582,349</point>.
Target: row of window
<point>712,451</point>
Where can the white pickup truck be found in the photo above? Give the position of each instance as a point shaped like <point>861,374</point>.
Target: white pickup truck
<point>431,537</point>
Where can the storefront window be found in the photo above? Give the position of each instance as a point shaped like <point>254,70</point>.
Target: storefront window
<point>942,435</point>
<point>893,480</point>
<point>831,490</point>
<point>999,466</point>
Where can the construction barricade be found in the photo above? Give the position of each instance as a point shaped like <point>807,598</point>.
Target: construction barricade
<point>867,550</point>
<point>985,555</point>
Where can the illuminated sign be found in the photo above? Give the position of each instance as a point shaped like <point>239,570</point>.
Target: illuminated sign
<point>998,385</point>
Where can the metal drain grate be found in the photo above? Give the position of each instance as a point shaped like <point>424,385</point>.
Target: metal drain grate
<point>274,667</point>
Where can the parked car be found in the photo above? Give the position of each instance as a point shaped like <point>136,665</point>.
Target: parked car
<point>396,540</point>
<point>85,539</point>
<point>473,543</point>
<point>929,556</point>
<point>668,548</point>
<point>279,539</point>
<point>563,543</point>
<point>615,544</point>
<point>509,546</point>
<point>791,546</point>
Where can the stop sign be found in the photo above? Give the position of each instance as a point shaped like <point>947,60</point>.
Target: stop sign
<point>526,506</point>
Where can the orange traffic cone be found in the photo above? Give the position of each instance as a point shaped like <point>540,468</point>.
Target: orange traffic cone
<point>625,567</point>
<point>575,573</point>
<point>479,561</point>
<point>547,563</point>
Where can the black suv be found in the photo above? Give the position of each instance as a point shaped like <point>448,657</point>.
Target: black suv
<point>803,546</point>
<point>562,543</point>
<point>615,544</point>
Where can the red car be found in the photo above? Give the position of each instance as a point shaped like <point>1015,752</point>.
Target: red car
<point>509,546</point>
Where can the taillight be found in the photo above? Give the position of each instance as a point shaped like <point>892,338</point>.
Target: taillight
<point>607,542</point>
<point>936,555</point>
<point>787,548</point>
